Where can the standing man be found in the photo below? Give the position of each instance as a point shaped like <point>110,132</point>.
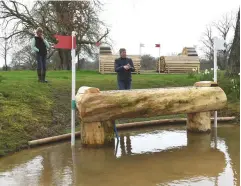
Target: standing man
<point>40,45</point>
<point>124,66</point>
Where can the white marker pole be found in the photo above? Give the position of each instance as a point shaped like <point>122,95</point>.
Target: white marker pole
<point>218,45</point>
<point>73,93</point>
<point>159,59</point>
<point>215,75</point>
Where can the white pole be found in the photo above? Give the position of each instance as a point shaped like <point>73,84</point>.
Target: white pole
<point>159,59</point>
<point>215,76</point>
<point>140,49</point>
<point>99,57</point>
<point>73,93</point>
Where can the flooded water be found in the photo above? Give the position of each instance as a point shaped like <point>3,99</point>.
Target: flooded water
<point>157,156</point>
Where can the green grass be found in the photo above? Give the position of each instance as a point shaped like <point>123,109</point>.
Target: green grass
<point>30,110</point>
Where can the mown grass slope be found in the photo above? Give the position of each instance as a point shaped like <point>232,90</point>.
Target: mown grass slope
<point>30,110</point>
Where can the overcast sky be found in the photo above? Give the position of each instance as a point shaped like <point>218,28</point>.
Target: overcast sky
<point>173,23</point>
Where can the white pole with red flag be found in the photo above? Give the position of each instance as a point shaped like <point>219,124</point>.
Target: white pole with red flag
<point>69,43</point>
<point>73,104</point>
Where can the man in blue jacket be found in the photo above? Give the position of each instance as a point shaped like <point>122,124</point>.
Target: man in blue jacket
<point>124,66</point>
<point>40,45</point>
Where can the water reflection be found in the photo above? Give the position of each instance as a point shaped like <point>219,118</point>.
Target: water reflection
<point>150,142</point>
<point>23,174</point>
<point>160,156</point>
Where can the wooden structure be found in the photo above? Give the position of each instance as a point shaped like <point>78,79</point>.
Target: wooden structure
<point>107,61</point>
<point>188,61</point>
<point>178,64</point>
<point>98,110</point>
<point>189,51</point>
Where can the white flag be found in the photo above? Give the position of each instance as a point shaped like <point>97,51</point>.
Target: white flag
<point>142,45</point>
<point>219,43</point>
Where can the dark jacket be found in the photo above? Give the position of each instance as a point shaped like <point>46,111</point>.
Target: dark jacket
<point>39,46</point>
<point>122,73</point>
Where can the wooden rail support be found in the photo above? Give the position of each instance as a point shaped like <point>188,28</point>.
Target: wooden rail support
<point>97,133</point>
<point>200,121</point>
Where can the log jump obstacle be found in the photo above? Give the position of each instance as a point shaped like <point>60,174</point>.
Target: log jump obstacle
<point>98,110</point>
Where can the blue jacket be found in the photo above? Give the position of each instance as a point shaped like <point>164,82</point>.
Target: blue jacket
<point>122,73</point>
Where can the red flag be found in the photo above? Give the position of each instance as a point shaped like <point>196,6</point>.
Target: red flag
<point>157,45</point>
<point>98,44</point>
<point>64,42</point>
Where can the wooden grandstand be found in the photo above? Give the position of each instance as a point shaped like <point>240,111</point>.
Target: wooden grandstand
<point>107,61</point>
<point>183,63</point>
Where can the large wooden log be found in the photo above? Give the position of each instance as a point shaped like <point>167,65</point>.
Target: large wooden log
<point>112,105</point>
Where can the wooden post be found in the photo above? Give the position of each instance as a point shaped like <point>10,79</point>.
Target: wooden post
<point>97,133</point>
<point>200,121</point>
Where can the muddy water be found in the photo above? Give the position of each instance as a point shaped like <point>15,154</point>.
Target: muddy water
<point>153,156</point>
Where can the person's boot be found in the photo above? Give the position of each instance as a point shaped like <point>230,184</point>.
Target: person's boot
<point>43,77</point>
<point>39,75</point>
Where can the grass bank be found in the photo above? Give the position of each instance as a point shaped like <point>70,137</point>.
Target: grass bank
<point>30,110</point>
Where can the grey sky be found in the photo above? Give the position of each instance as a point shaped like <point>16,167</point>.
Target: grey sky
<point>173,23</point>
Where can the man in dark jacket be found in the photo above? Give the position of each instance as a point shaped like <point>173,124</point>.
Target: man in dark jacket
<point>124,66</point>
<point>40,45</point>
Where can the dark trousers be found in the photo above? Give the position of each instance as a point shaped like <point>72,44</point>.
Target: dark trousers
<point>124,85</point>
<point>41,62</point>
<point>41,67</point>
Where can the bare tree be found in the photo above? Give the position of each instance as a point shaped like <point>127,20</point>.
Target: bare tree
<point>5,46</point>
<point>207,41</point>
<point>57,17</point>
<point>224,26</point>
<point>24,59</point>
